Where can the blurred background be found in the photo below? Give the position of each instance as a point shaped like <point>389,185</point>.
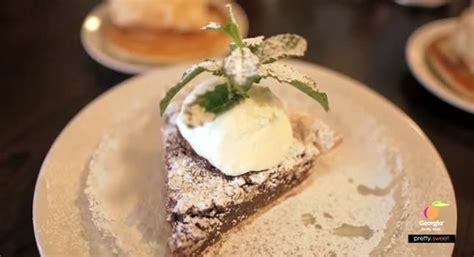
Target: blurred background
<point>46,77</point>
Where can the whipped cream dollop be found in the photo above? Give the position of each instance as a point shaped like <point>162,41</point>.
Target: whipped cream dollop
<point>254,135</point>
<point>182,15</point>
<point>462,40</point>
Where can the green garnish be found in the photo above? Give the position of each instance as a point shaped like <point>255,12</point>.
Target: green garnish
<point>288,75</point>
<point>189,74</point>
<point>251,60</point>
<point>218,100</point>
<point>230,28</point>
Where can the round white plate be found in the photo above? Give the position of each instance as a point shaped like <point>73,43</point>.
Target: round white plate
<point>92,41</point>
<point>415,54</point>
<point>365,196</point>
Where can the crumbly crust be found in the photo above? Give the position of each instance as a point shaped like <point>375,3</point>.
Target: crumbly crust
<point>203,202</point>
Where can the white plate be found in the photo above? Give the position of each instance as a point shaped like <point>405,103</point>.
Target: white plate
<point>415,54</point>
<point>92,41</point>
<point>382,176</point>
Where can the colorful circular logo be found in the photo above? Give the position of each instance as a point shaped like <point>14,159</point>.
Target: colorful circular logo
<point>432,212</point>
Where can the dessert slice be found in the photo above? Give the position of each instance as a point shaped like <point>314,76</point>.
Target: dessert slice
<point>146,44</point>
<point>231,148</point>
<point>204,203</point>
<point>452,71</point>
<point>164,31</point>
<point>451,56</point>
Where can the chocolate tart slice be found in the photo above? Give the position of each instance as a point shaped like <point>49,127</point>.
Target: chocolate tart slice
<point>203,203</point>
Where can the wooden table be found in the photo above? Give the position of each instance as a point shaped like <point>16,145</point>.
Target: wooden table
<point>47,78</point>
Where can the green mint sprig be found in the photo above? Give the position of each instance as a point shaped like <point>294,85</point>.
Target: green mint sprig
<point>208,65</point>
<point>230,28</point>
<point>250,60</point>
<point>207,105</point>
<point>217,100</point>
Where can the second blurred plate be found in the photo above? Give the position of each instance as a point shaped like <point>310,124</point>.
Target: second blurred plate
<point>416,58</point>
<point>93,41</point>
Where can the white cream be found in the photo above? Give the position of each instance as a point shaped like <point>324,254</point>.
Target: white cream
<point>183,15</point>
<point>462,41</point>
<point>254,135</point>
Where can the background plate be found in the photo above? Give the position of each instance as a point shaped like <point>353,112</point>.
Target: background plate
<point>415,54</point>
<point>91,38</point>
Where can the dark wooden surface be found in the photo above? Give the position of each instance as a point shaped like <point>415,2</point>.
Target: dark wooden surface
<point>46,78</point>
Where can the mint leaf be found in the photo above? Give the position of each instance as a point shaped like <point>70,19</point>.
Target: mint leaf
<point>250,61</point>
<point>281,46</point>
<point>209,65</point>
<point>208,105</point>
<point>285,74</point>
<point>252,43</point>
<point>218,100</point>
<point>230,28</point>
<point>320,97</point>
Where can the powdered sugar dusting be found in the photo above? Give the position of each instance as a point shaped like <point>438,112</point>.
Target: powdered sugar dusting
<point>124,191</point>
<point>205,191</point>
<point>252,42</point>
<point>328,220</point>
<point>357,222</point>
<point>340,214</point>
<point>212,25</point>
<point>208,65</point>
<point>286,74</point>
<point>281,46</point>
<point>241,66</point>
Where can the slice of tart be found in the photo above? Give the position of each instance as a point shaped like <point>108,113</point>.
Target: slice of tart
<point>145,45</point>
<point>451,70</point>
<point>204,203</point>
<point>451,56</point>
<point>231,148</point>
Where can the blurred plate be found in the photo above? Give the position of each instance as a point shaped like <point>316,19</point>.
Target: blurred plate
<point>366,196</point>
<point>415,54</point>
<point>92,41</point>
<point>423,3</point>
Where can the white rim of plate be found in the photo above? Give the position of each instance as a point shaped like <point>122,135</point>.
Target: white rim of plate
<point>91,38</point>
<point>415,55</point>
